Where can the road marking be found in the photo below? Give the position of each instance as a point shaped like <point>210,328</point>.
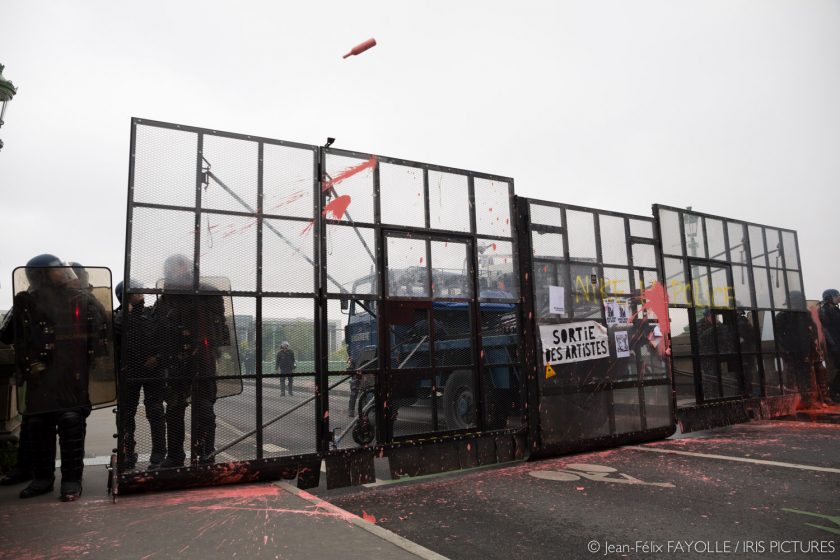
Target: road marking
<point>411,479</point>
<point>230,427</point>
<point>598,473</point>
<point>372,528</point>
<point>737,459</point>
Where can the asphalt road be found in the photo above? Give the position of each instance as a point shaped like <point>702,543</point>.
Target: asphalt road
<point>758,490</point>
<point>294,433</point>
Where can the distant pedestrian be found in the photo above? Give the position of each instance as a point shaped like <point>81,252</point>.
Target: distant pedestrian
<point>285,366</point>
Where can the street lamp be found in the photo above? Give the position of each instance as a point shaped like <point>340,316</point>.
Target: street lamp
<point>7,91</point>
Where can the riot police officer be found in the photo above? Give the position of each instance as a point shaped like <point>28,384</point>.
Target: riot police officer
<point>193,330</point>
<point>141,370</point>
<point>22,471</point>
<point>60,331</point>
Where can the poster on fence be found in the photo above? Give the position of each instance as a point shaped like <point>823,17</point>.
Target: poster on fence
<point>557,300</point>
<point>574,342</point>
<point>622,345</point>
<point>616,310</point>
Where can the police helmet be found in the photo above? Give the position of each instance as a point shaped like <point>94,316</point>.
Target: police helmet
<point>830,294</point>
<point>36,271</point>
<point>81,273</point>
<point>177,271</point>
<point>796,300</point>
<point>118,290</point>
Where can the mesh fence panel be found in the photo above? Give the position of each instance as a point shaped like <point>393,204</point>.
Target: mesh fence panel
<point>357,187</point>
<point>156,234</point>
<point>401,193</point>
<point>288,262</point>
<point>449,201</point>
<point>613,240</point>
<point>165,166</point>
<point>203,204</point>
<point>229,248</point>
<point>233,169</point>
<point>604,281</point>
<point>451,276</point>
<point>287,181</point>
<point>492,207</point>
<point>351,262</point>
<point>288,344</point>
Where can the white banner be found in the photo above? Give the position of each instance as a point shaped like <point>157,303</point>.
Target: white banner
<point>574,342</point>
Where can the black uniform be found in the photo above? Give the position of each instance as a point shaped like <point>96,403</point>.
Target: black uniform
<point>141,370</point>
<point>797,338</point>
<point>830,319</point>
<point>192,328</point>
<point>59,332</point>
<point>747,342</point>
<point>22,470</point>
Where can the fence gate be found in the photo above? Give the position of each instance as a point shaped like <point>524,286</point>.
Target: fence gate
<point>305,304</point>
<point>597,343</point>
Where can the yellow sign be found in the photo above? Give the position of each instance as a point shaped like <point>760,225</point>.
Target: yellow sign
<point>549,371</point>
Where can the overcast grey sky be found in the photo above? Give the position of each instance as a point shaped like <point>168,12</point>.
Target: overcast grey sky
<point>730,106</point>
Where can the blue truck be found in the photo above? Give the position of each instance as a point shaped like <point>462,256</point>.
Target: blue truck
<point>452,386</point>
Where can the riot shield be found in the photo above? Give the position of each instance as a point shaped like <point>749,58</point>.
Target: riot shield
<point>63,339</point>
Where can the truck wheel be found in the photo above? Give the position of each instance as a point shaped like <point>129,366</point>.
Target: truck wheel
<point>365,430</point>
<point>459,400</point>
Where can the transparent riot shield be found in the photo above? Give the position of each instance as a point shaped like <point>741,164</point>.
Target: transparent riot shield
<point>211,315</point>
<point>63,338</point>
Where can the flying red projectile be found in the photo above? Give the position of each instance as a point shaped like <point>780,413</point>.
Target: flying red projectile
<point>358,49</point>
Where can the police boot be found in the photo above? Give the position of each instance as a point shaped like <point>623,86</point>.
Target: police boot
<point>71,490</point>
<point>172,462</point>
<point>129,456</point>
<point>37,487</point>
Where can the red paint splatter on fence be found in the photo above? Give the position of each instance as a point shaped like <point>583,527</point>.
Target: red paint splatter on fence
<point>656,299</point>
<point>288,199</point>
<point>307,228</point>
<point>349,172</point>
<point>337,207</point>
<point>493,245</point>
<point>421,260</point>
